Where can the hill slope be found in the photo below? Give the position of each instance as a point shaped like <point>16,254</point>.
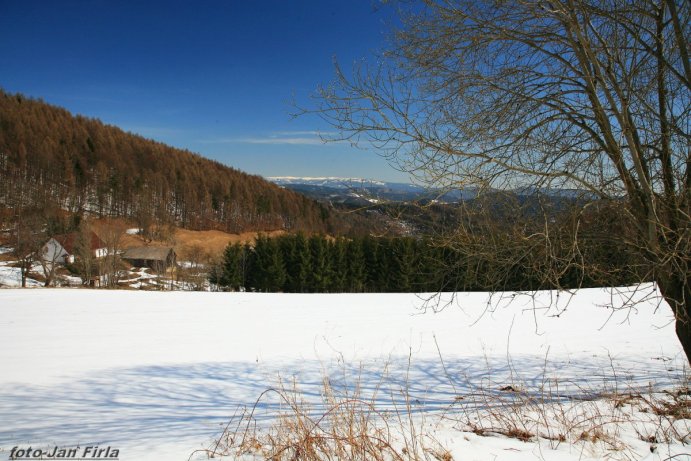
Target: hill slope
<point>49,156</point>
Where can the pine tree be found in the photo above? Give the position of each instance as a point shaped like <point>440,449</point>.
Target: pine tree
<point>269,270</point>
<point>370,247</point>
<point>384,275</point>
<point>303,264</point>
<point>355,260</point>
<point>287,247</point>
<point>321,268</point>
<point>339,266</point>
<point>402,265</point>
<point>233,270</point>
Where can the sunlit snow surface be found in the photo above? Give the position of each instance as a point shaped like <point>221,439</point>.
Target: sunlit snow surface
<point>12,276</point>
<point>157,374</point>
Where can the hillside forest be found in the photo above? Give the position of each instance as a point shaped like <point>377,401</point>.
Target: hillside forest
<point>50,158</point>
<point>59,171</point>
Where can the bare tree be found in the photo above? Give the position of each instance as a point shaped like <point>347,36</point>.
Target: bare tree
<point>195,270</point>
<point>86,262</point>
<point>112,233</point>
<point>49,257</point>
<point>28,238</point>
<point>581,94</point>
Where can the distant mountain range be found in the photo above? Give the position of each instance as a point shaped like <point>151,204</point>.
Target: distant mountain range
<point>359,191</point>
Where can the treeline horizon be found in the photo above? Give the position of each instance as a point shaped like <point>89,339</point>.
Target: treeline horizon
<point>49,157</point>
<point>320,264</point>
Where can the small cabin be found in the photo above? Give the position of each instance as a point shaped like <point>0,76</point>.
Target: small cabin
<point>160,259</point>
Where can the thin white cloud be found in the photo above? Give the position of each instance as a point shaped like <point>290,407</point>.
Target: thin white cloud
<point>296,138</point>
<point>218,141</point>
<point>305,133</point>
<point>284,140</point>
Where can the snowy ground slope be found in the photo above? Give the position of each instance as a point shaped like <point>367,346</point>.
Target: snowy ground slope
<point>12,276</point>
<point>157,374</point>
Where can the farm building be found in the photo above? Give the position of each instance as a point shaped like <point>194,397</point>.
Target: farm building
<point>157,258</point>
<point>64,248</point>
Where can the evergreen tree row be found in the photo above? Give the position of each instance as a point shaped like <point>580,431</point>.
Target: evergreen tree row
<point>318,264</point>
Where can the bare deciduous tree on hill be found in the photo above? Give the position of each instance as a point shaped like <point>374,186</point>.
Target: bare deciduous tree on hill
<point>28,237</point>
<point>86,262</point>
<point>580,94</point>
<point>112,235</point>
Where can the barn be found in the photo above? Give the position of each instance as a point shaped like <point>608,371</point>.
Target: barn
<point>157,258</point>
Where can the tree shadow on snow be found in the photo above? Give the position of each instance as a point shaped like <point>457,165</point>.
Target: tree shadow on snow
<point>155,403</point>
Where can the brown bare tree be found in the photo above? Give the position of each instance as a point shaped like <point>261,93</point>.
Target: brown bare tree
<point>112,232</point>
<point>27,239</point>
<point>590,95</point>
<point>195,269</point>
<point>49,261</point>
<point>86,262</point>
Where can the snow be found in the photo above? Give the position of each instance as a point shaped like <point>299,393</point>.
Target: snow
<point>12,277</point>
<point>71,280</point>
<point>191,265</point>
<point>133,231</point>
<point>333,181</point>
<point>158,374</point>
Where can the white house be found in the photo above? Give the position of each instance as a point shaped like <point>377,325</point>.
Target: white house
<point>61,248</point>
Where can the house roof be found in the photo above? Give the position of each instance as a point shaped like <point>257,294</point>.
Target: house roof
<point>68,241</point>
<point>148,253</point>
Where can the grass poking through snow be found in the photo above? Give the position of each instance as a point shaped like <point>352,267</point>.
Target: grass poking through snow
<point>350,424</point>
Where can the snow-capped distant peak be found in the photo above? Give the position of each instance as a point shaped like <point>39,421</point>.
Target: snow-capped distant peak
<point>331,181</point>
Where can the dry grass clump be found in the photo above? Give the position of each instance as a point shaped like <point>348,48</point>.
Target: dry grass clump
<point>344,425</point>
<point>674,405</point>
<point>596,422</point>
<point>544,414</point>
<point>669,416</point>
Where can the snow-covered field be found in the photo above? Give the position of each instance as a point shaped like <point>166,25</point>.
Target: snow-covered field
<point>159,374</point>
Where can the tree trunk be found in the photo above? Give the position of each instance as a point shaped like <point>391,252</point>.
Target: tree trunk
<point>677,292</point>
<point>24,270</point>
<point>684,334</point>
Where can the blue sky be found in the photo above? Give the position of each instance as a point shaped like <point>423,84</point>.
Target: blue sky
<point>214,77</point>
